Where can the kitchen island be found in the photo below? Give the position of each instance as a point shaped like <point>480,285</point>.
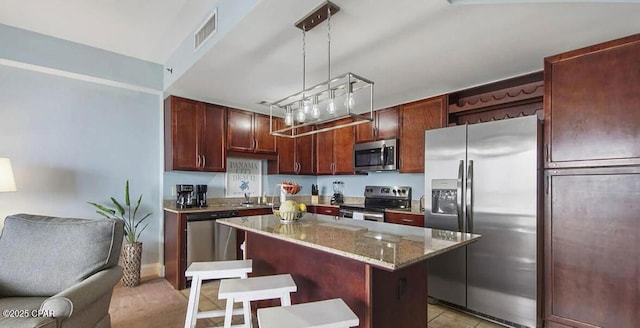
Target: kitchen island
<point>377,268</point>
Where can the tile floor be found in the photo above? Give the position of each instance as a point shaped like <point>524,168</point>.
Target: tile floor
<point>439,316</point>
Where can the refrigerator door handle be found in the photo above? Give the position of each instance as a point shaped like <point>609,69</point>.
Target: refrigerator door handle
<point>469,197</point>
<point>459,195</point>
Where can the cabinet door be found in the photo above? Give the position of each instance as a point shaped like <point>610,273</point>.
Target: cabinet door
<point>286,152</point>
<point>239,130</point>
<point>365,131</point>
<point>264,142</point>
<point>343,140</point>
<point>324,152</point>
<point>181,133</point>
<point>415,118</point>
<point>591,97</point>
<point>304,152</point>
<point>386,123</point>
<point>415,220</point>
<point>592,248</point>
<point>213,143</point>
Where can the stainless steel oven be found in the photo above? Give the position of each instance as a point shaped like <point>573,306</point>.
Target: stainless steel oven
<point>360,213</point>
<point>377,199</point>
<point>376,156</point>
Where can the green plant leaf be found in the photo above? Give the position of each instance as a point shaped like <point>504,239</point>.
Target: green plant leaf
<point>135,211</point>
<point>118,206</point>
<point>103,214</point>
<point>126,194</point>
<point>141,230</point>
<point>141,220</point>
<point>103,208</point>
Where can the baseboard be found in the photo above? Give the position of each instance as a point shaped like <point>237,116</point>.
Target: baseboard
<point>151,270</point>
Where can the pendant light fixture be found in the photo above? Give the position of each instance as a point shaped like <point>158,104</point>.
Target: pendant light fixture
<point>337,98</point>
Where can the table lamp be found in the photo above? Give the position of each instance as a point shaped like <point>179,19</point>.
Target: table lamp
<point>7,183</point>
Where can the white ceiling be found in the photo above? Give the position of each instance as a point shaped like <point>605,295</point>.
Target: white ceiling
<point>411,49</point>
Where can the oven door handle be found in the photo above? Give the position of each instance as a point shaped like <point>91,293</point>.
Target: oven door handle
<point>373,217</point>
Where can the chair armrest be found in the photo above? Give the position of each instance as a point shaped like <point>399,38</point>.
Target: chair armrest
<point>82,294</point>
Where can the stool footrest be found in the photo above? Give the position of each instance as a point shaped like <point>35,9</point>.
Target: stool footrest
<point>216,313</point>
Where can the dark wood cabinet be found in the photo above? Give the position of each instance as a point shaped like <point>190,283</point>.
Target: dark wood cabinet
<point>383,126</point>
<point>326,210</point>
<point>592,259</point>
<point>194,135</point>
<point>334,150</point>
<point>592,111</point>
<point>415,118</point>
<point>416,220</point>
<point>249,132</point>
<point>592,160</point>
<point>295,155</point>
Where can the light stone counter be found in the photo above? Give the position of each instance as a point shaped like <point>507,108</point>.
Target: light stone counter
<point>386,246</point>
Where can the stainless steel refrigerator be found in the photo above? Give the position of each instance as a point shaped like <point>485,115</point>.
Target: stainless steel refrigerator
<point>484,179</point>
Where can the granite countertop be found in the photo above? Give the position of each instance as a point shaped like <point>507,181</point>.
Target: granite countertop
<point>387,246</point>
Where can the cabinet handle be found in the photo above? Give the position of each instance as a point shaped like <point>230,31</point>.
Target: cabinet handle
<point>407,220</point>
<point>197,160</point>
<point>204,161</point>
<point>256,144</point>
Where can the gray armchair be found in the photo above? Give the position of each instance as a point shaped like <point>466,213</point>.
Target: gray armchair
<point>58,272</point>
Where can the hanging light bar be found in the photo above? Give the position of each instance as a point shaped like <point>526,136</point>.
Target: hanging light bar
<point>337,98</point>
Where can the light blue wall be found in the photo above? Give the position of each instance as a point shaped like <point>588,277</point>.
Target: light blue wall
<point>354,184</point>
<point>72,141</point>
<point>216,182</point>
<point>41,50</point>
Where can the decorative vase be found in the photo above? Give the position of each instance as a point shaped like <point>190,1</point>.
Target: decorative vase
<point>131,261</point>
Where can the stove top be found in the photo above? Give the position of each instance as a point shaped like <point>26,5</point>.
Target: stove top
<point>379,198</point>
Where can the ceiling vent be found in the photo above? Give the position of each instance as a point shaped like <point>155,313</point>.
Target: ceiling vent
<point>205,31</point>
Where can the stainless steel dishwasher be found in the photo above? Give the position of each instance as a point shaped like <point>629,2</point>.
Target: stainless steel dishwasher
<point>209,241</point>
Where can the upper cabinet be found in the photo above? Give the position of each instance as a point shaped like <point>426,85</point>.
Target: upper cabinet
<point>334,150</point>
<point>249,132</point>
<point>415,118</point>
<point>383,126</point>
<point>591,108</point>
<point>194,135</point>
<point>295,155</point>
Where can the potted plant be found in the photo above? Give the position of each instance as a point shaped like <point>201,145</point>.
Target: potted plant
<point>132,250</point>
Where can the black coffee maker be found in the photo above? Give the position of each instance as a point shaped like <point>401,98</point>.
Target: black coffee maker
<point>184,196</point>
<point>201,195</point>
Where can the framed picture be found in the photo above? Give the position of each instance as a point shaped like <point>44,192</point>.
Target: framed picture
<point>244,176</point>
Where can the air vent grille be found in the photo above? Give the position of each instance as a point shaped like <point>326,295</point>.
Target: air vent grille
<point>206,30</point>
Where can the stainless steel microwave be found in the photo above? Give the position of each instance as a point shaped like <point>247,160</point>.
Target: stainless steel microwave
<point>376,156</point>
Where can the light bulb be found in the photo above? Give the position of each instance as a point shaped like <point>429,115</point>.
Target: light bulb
<point>288,118</point>
<point>306,106</point>
<point>315,112</point>
<point>331,108</point>
<point>300,116</point>
<point>349,102</point>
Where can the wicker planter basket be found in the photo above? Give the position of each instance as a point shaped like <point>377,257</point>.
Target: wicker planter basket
<point>131,262</point>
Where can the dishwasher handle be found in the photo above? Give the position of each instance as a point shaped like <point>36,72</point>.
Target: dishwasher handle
<point>207,216</point>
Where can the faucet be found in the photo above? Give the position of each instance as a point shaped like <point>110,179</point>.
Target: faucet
<point>246,198</point>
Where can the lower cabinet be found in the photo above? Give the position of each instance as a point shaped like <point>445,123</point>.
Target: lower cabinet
<point>411,219</point>
<point>326,210</point>
<point>592,248</point>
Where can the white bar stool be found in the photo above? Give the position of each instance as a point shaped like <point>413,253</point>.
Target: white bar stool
<point>200,271</point>
<point>255,289</point>
<point>333,313</point>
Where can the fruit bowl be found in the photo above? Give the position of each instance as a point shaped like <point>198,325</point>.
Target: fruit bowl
<point>291,188</point>
<point>288,216</point>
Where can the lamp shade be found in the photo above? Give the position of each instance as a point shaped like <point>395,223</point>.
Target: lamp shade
<point>7,183</point>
